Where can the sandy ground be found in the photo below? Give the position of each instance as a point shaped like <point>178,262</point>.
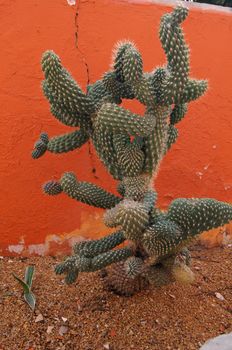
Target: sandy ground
<point>85,316</point>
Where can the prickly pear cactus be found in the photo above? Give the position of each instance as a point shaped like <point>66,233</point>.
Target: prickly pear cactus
<point>131,147</point>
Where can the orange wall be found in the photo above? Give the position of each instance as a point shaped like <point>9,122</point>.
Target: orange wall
<point>198,165</point>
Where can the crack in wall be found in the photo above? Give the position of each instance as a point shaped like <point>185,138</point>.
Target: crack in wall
<point>83,58</point>
<point>76,22</point>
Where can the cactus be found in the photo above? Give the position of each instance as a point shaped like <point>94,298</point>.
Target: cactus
<point>131,147</point>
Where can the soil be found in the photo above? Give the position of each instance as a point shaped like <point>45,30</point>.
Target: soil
<point>85,316</point>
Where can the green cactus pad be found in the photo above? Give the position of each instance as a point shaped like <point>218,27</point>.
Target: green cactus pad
<point>129,154</point>
<point>116,119</point>
<point>133,218</point>
<point>67,142</point>
<point>118,58</point>
<point>163,238</point>
<point>63,85</point>
<point>172,136</point>
<point>193,90</point>
<point>176,50</point>
<point>52,188</point>
<point>110,257</point>
<point>59,110</point>
<point>92,248</point>
<point>132,65</point>
<point>104,145</point>
<point>197,215</point>
<point>178,113</point>
<point>155,143</point>
<point>136,186</point>
<point>87,193</point>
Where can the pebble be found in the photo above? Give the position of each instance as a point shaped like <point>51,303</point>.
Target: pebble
<point>63,330</point>
<point>39,318</point>
<point>49,329</point>
<point>219,296</point>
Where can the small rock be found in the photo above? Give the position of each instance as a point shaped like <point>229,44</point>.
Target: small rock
<point>106,346</point>
<point>79,308</point>
<point>63,330</point>
<point>39,318</point>
<point>172,296</point>
<point>197,268</point>
<point>64,319</point>
<point>49,329</point>
<point>219,296</point>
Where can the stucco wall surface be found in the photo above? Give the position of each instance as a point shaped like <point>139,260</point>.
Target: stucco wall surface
<point>199,164</point>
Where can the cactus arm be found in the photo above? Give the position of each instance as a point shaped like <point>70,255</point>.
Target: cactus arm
<point>155,143</point>
<point>95,247</point>
<point>64,86</point>
<point>98,93</point>
<point>64,94</point>
<point>178,113</point>
<point>87,193</point>
<point>60,111</point>
<point>185,219</point>
<point>119,120</point>
<point>149,200</point>
<point>40,146</point>
<point>197,215</point>
<point>172,136</point>
<point>117,89</point>
<point>193,90</point>
<point>133,218</point>
<point>76,263</point>
<point>108,258</point>
<point>67,142</point>
<point>118,58</point>
<point>103,143</point>
<point>176,86</point>
<point>132,70</point>
<point>60,144</point>
<point>177,52</point>
<point>132,65</point>
<point>163,239</point>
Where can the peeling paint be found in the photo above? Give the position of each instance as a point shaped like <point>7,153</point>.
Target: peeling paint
<point>16,248</point>
<point>37,249</point>
<point>199,174</point>
<point>92,226</point>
